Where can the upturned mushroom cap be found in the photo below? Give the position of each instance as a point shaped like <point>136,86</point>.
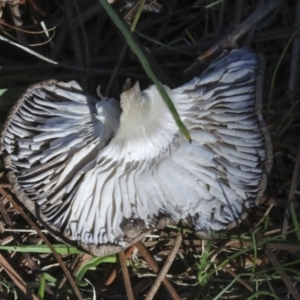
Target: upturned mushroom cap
<point>100,178</point>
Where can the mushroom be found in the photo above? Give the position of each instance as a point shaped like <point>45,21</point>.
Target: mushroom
<point>100,176</point>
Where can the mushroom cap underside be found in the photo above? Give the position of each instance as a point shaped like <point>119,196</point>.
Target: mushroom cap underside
<point>100,178</point>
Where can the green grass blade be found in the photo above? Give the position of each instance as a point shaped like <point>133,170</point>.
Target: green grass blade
<point>209,273</point>
<point>253,235</point>
<point>41,292</point>
<point>287,119</point>
<point>276,70</point>
<point>43,278</point>
<point>137,15</point>
<point>162,44</point>
<point>145,64</point>
<point>204,263</point>
<point>60,249</point>
<point>94,262</point>
<point>255,295</point>
<point>295,221</point>
<point>225,289</point>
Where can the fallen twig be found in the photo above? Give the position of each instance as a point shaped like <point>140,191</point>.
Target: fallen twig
<point>57,257</point>
<point>229,41</point>
<point>279,270</point>
<point>240,280</point>
<point>126,277</point>
<point>154,266</point>
<point>17,279</point>
<point>162,275</point>
<point>291,195</point>
<point>113,270</point>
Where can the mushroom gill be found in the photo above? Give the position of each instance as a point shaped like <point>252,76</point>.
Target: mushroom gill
<point>99,177</point>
